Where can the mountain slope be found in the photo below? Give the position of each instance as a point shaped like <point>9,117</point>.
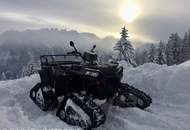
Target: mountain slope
<point>20,49</point>
<point>168,87</point>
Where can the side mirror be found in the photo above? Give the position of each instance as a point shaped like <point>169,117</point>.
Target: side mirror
<point>92,50</point>
<point>94,46</point>
<point>72,44</point>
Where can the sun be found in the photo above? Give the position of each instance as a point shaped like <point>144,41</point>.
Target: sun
<point>130,11</point>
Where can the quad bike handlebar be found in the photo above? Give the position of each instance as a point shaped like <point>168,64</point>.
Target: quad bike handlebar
<point>89,57</point>
<point>86,57</point>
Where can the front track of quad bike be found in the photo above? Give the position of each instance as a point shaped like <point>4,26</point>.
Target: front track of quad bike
<point>43,96</point>
<point>80,110</point>
<point>128,96</point>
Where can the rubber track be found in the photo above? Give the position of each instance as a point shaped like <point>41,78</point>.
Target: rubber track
<point>97,116</point>
<point>127,89</point>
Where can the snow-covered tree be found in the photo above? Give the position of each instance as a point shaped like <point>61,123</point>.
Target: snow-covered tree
<point>145,56</point>
<point>3,76</point>
<point>174,49</point>
<point>188,46</point>
<point>161,57</point>
<point>125,49</point>
<point>120,44</point>
<point>184,52</point>
<point>152,53</point>
<point>30,69</point>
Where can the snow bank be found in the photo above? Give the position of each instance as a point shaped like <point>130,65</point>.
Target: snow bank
<point>168,86</point>
<point>18,111</point>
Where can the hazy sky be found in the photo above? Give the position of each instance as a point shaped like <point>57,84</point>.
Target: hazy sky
<point>146,20</point>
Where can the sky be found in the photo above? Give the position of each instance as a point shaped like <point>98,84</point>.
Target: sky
<point>146,20</point>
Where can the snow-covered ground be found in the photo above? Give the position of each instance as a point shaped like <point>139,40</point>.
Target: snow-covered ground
<point>169,88</point>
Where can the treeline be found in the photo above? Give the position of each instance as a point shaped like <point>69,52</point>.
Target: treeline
<point>175,51</point>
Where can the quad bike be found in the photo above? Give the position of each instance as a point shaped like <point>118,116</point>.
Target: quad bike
<point>74,82</point>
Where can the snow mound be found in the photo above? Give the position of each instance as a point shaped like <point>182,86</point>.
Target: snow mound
<point>169,87</point>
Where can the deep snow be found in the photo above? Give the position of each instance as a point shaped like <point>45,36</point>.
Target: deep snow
<point>169,88</point>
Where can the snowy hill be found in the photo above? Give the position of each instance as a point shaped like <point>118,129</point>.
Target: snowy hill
<point>55,37</point>
<point>168,87</point>
<point>20,49</point>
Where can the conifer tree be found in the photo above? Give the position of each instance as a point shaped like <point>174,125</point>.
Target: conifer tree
<point>161,57</point>
<point>125,49</point>
<point>184,50</point>
<point>151,54</point>
<point>173,49</point>
<point>188,46</point>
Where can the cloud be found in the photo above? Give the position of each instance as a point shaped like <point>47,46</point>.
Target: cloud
<point>157,20</point>
<point>160,28</point>
<point>95,13</point>
<point>15,25</point>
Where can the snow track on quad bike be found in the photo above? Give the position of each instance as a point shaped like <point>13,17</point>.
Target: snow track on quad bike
<point>129,96</point>
<point>80,110</point>
<point>43,96</point>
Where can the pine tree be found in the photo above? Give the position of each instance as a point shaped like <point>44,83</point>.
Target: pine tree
<point>144,56</point>
<point>3,76</point>
<point>188,46</point>
<point>173,49</point>
<point>184,50</point>
<point>170,59</point>
<point>161,56</point>
<point>124,33</point>
<point>125,49</point>
<point>167,54</point>
<point>151,54</point>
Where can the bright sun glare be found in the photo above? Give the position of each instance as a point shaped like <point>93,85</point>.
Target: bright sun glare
<point>130,11</point>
